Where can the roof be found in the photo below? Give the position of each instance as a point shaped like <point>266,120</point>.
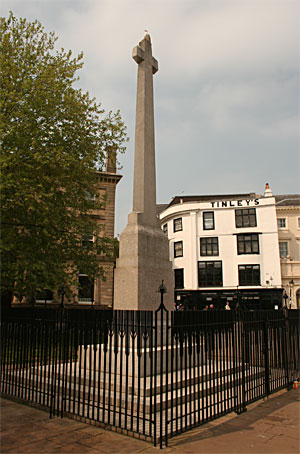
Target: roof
<point>281,200</point>
<point>161,207</point>
<point>287,200</point>
<point>208,198</point>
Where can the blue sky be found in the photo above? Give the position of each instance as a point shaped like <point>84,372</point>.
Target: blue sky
<point>226,93</point>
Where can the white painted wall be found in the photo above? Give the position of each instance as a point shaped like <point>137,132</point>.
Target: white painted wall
<point>225,229</point>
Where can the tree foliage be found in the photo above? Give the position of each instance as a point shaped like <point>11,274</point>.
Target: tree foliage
<point>53,139</point>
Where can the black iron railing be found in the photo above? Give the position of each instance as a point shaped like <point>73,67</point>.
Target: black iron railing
<point>153,374</point>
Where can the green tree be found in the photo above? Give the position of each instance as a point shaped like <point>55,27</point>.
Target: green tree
<point>53,140</point>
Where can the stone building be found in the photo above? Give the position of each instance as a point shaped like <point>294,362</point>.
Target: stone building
<point>100,292</point>
<point>288,222</point>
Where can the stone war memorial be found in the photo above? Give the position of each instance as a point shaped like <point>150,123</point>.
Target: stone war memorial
<point>144,249</point>
<point>144,369</point>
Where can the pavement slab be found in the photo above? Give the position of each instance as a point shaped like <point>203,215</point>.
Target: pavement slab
<point>271,426</point>
<point>43,446</point>
<point>268,426</point>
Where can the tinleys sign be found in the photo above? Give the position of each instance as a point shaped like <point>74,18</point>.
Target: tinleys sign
<point>234,203</point>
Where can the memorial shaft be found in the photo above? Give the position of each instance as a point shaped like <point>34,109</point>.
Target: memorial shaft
<point>144,187</point>
<point>144,249</point>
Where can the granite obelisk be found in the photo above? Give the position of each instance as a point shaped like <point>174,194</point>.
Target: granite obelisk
<point>144,249</point>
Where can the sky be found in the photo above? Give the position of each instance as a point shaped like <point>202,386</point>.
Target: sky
<point>226,96</point>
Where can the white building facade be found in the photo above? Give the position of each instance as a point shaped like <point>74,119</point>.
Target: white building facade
<point>224,248</point>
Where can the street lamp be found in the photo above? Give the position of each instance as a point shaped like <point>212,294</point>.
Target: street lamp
<point>162,289</point>
<point>291,283</point>
<point>285,297</point>
<point>237,306</point>
<point>62,292</point>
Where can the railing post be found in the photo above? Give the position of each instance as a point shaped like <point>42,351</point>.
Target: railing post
<point>52,359</point>
<point>266,354</point>
<point>240,361</point>
<point>243,346</point>
<point>61,386</point>
<point>155,380</point>
<point>161,370</point>
<point>162,289</point>
<point>235,327</point>
<point>286,344</point>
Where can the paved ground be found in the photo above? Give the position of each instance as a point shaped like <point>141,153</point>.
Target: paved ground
<point>270,426</point>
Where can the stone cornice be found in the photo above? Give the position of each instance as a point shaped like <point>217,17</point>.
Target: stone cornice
<point>288,208</point>
<point>110,178</point>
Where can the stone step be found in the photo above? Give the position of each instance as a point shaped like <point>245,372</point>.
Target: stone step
<point>184,388</point>
<point>165,381</point>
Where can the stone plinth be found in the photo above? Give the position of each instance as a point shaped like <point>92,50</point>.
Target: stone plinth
<point>143,263</point>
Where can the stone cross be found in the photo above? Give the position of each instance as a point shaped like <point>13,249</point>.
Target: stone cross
<point>144,185</point>
<point>139,54</point>
<point>144,249</point>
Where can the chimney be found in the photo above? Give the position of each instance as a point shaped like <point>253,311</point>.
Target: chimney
<point>111,161</point>
<point>268,192</point>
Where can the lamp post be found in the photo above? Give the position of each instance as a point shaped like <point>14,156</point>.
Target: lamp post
<point>285,297</point>
<point>291,283</point>
<point>237,306</point>
<point>92,301</point>
<point>62,292</point>
<point>162,289</point>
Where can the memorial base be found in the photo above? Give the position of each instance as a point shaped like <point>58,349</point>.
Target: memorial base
<point>142,265</point>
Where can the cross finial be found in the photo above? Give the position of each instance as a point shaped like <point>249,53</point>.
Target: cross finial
<point>143,52</point>
<point>147,36</point>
